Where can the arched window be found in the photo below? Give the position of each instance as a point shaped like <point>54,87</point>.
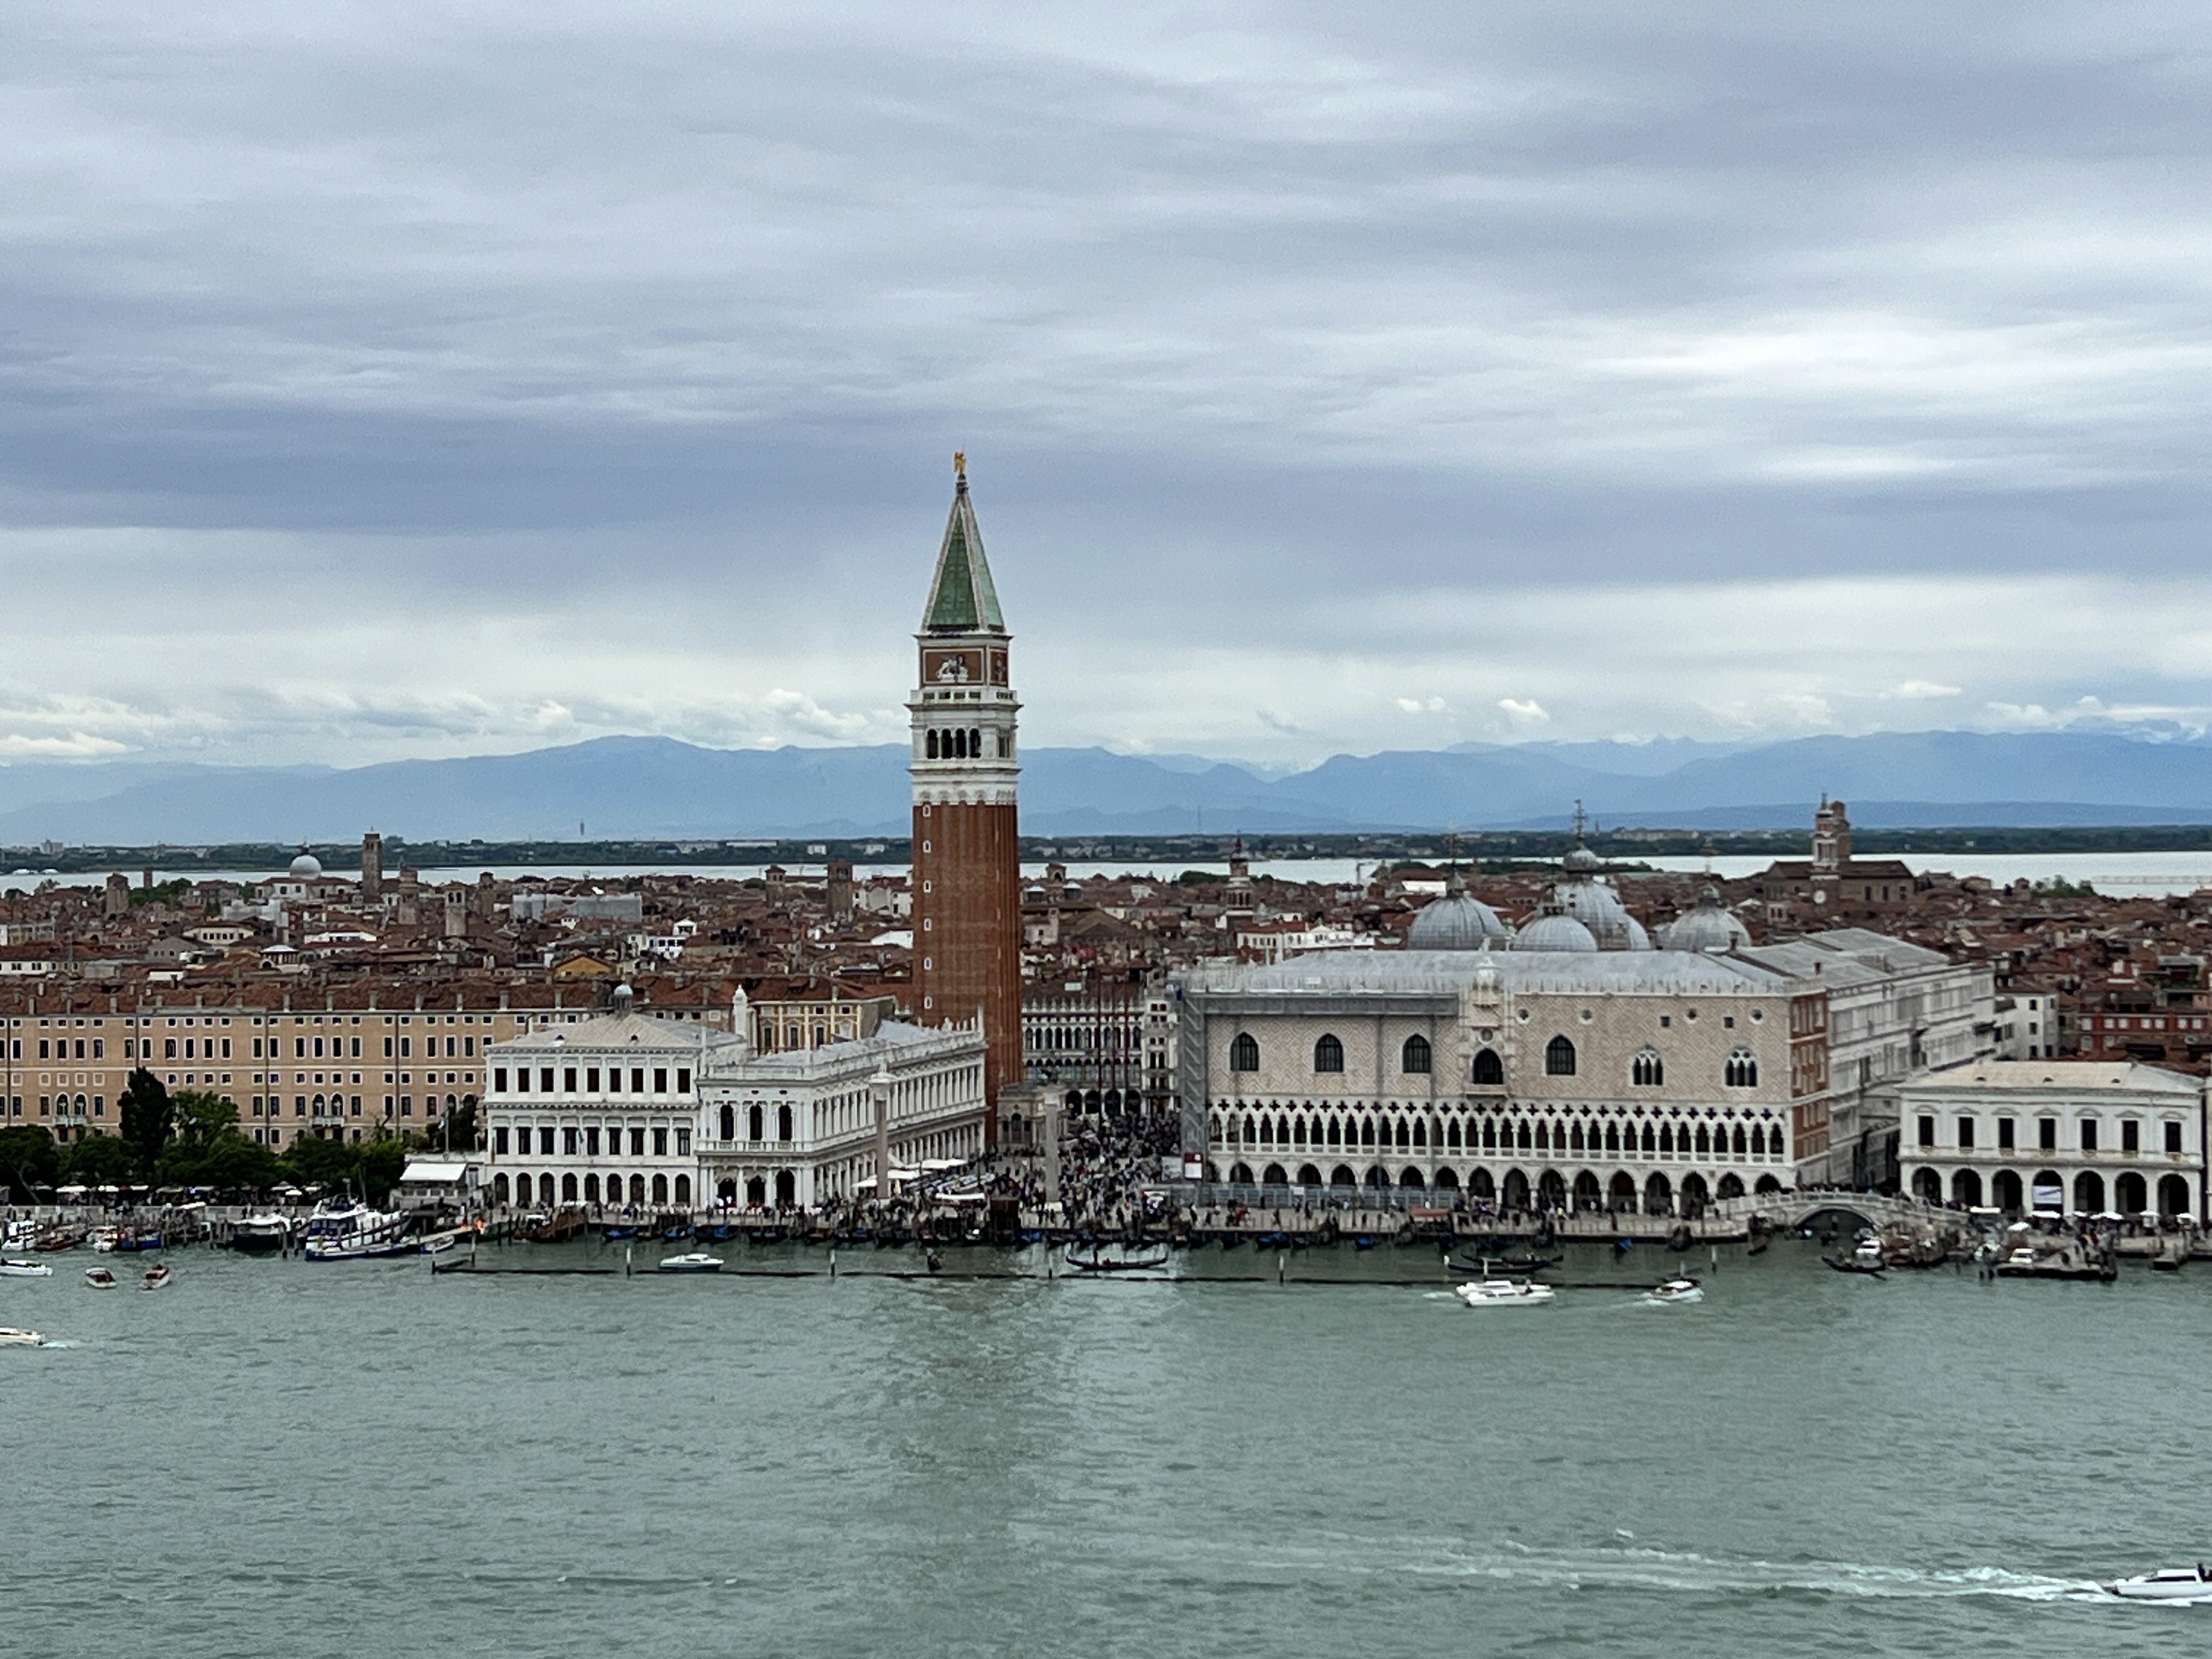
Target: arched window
<point>1489,1134</point>
<point>590,1189</point>
<point>1245,1053</point>
<point>568,1189</point>
<point>637,1190</point>
<point>1705,1145</point>
<point>1489,1070</point>
<point>1329,1053</point>
<point>752,1123</point>
<point>1613,1137</point>
<point>1647,1070</point>
<point>1414,1056</point>
<point>1739,1140</point>
<point>1558,1058</point>
<point>729,1123</point>
<point>783,1123</point>
<point>1451,1135</point>
<point>1741,1071</point>
<point>974,743</point>
<point>660,1189</point>
<point>931,741</point>
<point>1367,1132</point>
<point>682,1189</point>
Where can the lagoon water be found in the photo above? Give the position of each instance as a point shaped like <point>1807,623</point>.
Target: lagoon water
<point>277,1457</point>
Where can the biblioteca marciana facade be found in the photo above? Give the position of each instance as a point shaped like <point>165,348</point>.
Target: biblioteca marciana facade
<point>628,1112</point>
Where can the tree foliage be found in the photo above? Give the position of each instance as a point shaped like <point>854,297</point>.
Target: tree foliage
<point>28,1158</point>
<point>147,1115</point>
<point>100,1161</point>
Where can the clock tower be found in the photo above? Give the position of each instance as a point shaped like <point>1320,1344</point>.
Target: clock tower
<point>966,869</point>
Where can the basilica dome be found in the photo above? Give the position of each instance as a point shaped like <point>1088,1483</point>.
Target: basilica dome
<point>306,867</point>
<point>1457,922</point>
<point>1707,927</point>
<point>1555,931</point>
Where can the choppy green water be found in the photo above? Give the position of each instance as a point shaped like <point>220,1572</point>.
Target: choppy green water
<point>271,1458</point>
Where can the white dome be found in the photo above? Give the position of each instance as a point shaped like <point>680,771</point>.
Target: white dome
<point>1598,908</point>
<point>1555,931</point>
<point>306,867</point>
<point>1707,927</point>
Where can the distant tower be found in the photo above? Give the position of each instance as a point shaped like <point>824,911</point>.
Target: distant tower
<point>840,890</point>
<point>115,901</point>
<point>966,869</point>
<point>1832,838</point>
<point>372,868</point>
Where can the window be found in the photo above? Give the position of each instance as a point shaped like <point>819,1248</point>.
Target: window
<point>783,1123</point>
<point>661,1079</point>
<point>1415,1056</point>
<point>1965,1134</point>
<point>2172,1137</point>
<point>592,1144</point>
<point>1489,1070</point>
<point>2004,1134</point>
<point>499,1079</point>
<point>660,1143</point>
<point>1741,1071</point>
<point>2047,1133</point>
<point>1328,1054</point>
<point>499,1142</point>
<point>2088,1134</point>
<point>2130,1135</point>
<point>1647,1070</point>
<point>1245,1053</point>
<point>1927,1131</point>
<point>683,1080</point>
<point>753,1123</point>
<point>1558,1058</point>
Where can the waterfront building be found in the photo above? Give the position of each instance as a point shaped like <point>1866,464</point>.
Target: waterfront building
<point>1832,879</point>
<point>806,1126</point>
<point>1576,1067</point>
<point>2077,1137</point>
<point>605,1110</point>
<point>967,872</point>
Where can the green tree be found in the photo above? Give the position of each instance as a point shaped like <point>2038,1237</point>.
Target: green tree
<point>382,1163</point>
<point>100,1161</point>
<point>312,1161</point>
<point>146,1114</point>
<point>461,1131</point>
<point>230,1163</point>
<point>28,1158</point>
<point>201,1119</point>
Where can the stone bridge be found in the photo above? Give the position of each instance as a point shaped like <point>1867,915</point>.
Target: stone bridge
<point>1790,1210</point>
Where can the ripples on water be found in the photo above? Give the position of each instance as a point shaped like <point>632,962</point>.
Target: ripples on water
<point>272,1457</point>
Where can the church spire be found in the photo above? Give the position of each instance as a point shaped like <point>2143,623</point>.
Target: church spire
<point>962,599</point>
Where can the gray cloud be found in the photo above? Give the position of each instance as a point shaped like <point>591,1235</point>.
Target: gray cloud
<point>397,381</point>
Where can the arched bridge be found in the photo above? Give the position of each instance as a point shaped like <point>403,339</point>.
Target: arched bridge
<point>1788,1209</point>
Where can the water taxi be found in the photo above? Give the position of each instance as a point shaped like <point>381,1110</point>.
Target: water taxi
<point>2166,1584</point>
<point>693,1261</point>
<point>155,1276</point>
<point>1502,1292</point>
<point>11,1337</point>
<point>17,1268</point>
<point>101,1277</point>
<point>1676,1290</point>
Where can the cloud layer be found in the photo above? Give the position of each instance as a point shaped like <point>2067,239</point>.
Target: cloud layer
<point>415,380</point>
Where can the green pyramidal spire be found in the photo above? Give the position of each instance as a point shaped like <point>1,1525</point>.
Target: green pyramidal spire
<point>962,599</point>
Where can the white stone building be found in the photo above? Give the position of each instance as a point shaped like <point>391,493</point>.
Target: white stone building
<point>2074,1136</point>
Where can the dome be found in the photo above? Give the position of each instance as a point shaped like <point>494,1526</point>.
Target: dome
<point>1554,931</point>
<point>1598,908</point>
<point>306,867</point>
<point>1454,922</point>
<point>1707,927</point>
<point>1582,861</point>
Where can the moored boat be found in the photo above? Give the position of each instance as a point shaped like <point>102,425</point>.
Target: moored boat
<point>1095,1263</point>
<point>257,1235</point>
<point>101,1277</point>
<point>340,1231</point>
<point>692,1261</point>
<point>17,1268</point>
<point>1503,1292</point>
<point>2166,1584</point>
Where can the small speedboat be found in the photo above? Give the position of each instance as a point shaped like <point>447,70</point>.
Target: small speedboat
<point>1502,1292</point>
<point>11,1337</point>
<point>154,1277</point>
<point>2166,1584</point>
<point>101,1277</point>
<point>17,1268</point>
<point>692,1261</point>
<point>1676,1290</point>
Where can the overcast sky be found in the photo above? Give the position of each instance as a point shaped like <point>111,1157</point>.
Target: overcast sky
<point>381,380</point>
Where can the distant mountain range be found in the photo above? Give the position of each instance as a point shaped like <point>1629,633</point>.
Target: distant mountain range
<point>656,787</point>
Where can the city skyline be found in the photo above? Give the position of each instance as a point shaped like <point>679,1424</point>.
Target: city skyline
<point>469,386</point>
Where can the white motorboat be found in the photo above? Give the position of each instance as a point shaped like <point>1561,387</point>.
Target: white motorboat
<point>101,1277</point>
<point>17,1268</point>
<point>104,1239</point>
<point>155,1276</point>
<point>2166,1584</point>
<point>10,1337</point>
<point>257,1235</point>
<point>1502,1292</point>
<point>692,1261</point>
<point>340,1231</point>
<point>1676,1290</point>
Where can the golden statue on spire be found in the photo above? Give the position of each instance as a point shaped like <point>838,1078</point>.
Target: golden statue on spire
<point>960,463</point>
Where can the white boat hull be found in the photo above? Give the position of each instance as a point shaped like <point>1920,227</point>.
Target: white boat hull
<point>1503,1293</point>
<point>2176,1584</point>
<point>25,1270</point>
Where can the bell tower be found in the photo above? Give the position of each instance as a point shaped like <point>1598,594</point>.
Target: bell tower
<point>967,870</point>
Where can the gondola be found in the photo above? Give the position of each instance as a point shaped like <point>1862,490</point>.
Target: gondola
<point>1844,1264</point>
<point>1515,1264</point>
<point>1099,1264</point>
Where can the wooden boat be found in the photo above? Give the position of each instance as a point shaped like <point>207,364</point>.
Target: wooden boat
<point>1851,1264</point>
<point>60,1241</point>
<point>155,1276</point>
<point>1099,1264</point>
